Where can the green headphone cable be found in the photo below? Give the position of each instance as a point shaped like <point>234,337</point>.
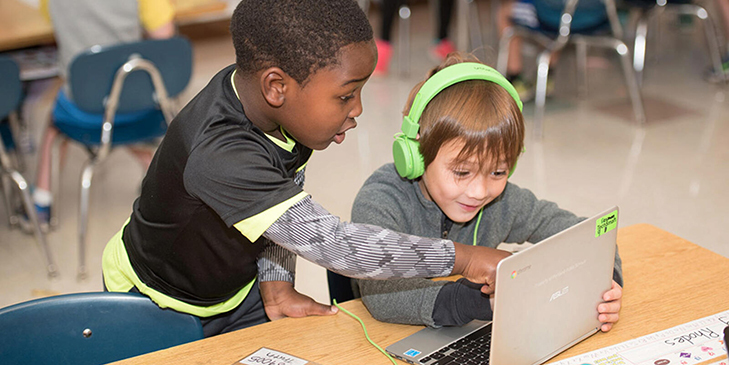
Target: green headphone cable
<point>334,301</point>
<point>365,330</point>
<point>478,223</point>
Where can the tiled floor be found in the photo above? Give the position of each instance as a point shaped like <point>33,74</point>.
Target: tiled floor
<point>672,173</point>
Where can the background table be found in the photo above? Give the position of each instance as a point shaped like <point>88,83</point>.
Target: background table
<point>668,281</point>
<point>22,25</point>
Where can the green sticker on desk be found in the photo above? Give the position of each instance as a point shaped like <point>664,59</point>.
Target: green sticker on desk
<point>606,224</point>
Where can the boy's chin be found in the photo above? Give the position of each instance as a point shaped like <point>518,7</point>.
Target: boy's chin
<point>321,146</point>
<point>462,217</point>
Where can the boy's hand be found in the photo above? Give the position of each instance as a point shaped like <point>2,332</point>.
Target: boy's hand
<point>281,300</point>
<point>608,310</point>
<point>478,264</point>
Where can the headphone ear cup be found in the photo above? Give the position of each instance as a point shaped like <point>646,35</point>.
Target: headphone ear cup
<point>408,160</point>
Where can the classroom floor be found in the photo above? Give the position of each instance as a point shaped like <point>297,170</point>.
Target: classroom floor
<point>671,173</point>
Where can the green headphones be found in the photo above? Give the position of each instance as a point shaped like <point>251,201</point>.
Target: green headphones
<point>406,149</point>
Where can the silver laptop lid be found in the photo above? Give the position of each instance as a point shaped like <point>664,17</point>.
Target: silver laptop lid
<point>547,295</point>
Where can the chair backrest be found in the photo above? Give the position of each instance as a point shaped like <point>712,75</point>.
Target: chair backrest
<point>90,328</point>
<point>91,74</point>
<point>589,14</point>
<point>10,87</point>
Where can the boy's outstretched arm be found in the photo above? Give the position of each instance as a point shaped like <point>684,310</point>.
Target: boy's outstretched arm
<point>366,251</point>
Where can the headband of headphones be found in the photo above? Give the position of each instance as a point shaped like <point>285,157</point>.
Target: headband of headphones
<point>406,149</point>
<point>446,77</point>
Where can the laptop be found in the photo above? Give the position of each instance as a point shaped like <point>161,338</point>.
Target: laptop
<point>545,302</point>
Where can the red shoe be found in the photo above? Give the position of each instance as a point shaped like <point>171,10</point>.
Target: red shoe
<point>441,50</point>
<point>384,54</point>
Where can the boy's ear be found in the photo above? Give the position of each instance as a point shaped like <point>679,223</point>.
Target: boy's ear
<point>274,85</point>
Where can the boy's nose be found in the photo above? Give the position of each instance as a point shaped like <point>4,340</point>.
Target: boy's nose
<point>357,110</point>
<point>478,189</point>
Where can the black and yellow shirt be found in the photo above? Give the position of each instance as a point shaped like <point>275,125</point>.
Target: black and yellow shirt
<point>222,200</point>
<point>216,183</point>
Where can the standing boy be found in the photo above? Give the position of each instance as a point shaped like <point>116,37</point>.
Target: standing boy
<point>222,210</point>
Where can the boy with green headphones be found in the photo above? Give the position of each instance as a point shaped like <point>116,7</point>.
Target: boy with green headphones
<point>461,138</point>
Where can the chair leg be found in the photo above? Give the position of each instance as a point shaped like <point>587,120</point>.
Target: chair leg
<point>8,198</point>
<point>404,34</point>
<point>540,98</point>
<point>461,14</point>
<point>86,176</point>
<point>639,47</point>
<point>581,48</point>
<point>631,81</point>
<point>503,56</point>
<point>475,29</point>
<point>30,211</point>
<point>24,190</point>
<point>55,180</point>
<point>711,39</point>
<point>5,168</point>
<point>18,129</point>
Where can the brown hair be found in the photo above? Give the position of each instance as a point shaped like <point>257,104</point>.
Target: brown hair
<point>481,113</point>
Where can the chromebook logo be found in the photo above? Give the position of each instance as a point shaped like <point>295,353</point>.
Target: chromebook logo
<point>515,273</point>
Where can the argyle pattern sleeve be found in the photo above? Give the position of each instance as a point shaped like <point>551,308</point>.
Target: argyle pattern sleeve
<point>358,250</point>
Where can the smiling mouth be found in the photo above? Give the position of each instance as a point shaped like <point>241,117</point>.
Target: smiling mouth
<point>469,207</point>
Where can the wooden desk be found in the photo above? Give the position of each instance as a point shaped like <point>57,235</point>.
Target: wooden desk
<point>669,281</point>
<point>23,26</point>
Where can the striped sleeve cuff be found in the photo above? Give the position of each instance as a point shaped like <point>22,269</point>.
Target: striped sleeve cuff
<point>276,264</point>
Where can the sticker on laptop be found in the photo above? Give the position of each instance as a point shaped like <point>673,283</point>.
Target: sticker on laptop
<point>606,224</point>
<point>412,352</point>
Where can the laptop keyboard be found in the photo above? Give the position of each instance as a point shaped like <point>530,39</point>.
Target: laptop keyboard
<point>472,349</point>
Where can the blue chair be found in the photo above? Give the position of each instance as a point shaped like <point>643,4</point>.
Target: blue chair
<point>117,95</point>
<point>648,10</point>
<point>90,328</point>
<point>10,98</point>
<point>580,22</point>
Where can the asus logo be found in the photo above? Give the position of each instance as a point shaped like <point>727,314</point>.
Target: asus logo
<point>560,293</point>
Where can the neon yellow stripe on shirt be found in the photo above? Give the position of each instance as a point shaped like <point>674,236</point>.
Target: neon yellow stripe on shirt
<point>119,276</point>
<point>252,228</point>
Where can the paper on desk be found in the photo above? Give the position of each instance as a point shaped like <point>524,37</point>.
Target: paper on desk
<point>694,343</point>
<point>266,356</point>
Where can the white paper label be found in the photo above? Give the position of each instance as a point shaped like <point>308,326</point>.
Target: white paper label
<point>266,356</point>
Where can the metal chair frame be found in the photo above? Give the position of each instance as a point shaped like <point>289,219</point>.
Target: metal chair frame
<point>99,154</point>
<point>581,41</point>
<point>645,16</point>
<point>12,177</point>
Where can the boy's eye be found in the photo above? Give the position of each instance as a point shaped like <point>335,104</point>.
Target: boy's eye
<point>499,173</point>
<point>347,98</point>
<point>461,173</point>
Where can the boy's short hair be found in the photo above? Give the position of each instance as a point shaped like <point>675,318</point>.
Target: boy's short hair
<point>481,113</point>
<point>299,36</point>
